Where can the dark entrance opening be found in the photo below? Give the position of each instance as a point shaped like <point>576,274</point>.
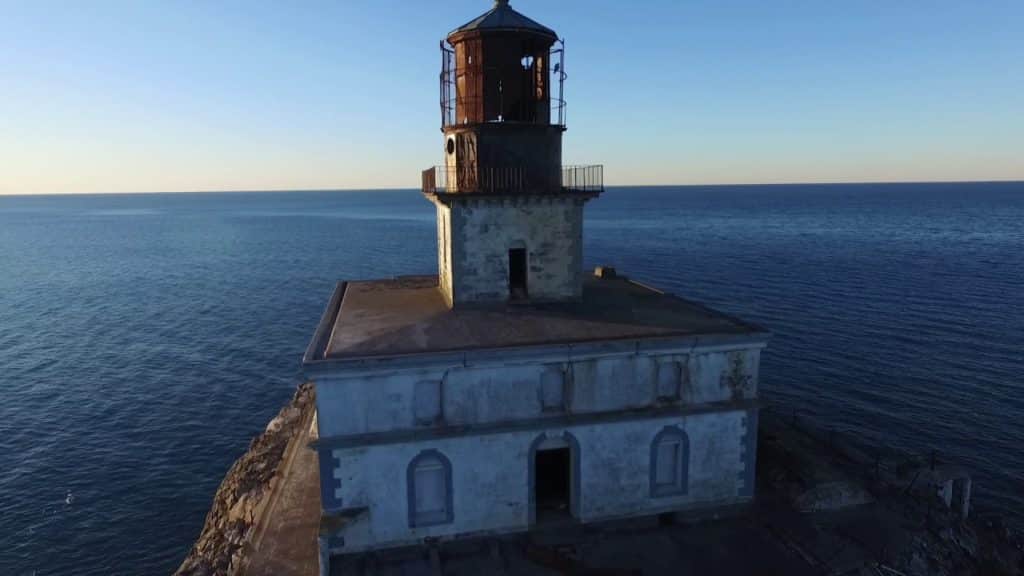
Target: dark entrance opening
<point>552,483</point>
<point>517,273</point>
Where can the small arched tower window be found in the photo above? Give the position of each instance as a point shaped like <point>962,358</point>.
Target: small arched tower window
<point>670,462</point>
<point>429,479</point>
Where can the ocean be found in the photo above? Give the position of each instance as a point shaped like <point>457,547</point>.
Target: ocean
<point>145,339</point>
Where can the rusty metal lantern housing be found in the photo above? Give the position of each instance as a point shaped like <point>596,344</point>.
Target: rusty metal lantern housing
<point>502,110</point>
<point>498,69</point>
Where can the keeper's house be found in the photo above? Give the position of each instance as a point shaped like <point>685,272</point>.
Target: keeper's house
<point>512,389</point>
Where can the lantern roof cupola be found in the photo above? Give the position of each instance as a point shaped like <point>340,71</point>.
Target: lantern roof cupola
<point>502,18</point>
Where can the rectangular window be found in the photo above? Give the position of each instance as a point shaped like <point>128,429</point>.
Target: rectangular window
<point>667,460</point>
<point>670,462</point>
<point>431,493</point>
<point>429,485</point>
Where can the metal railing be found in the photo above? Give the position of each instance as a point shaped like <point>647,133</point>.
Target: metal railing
<point>512,180</point>
<point>473,111</point>
<point>583,178</point>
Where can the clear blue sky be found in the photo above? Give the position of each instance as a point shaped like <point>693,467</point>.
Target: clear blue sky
<point>227,95</point>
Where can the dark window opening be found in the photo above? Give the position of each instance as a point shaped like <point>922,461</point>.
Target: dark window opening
<point>552,483</point>
<point>517,273</point>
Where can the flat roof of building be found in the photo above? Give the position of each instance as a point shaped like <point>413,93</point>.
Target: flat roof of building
<point>408,315</point>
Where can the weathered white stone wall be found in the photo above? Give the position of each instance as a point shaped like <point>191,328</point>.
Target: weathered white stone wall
<point>524,389</point>
<point>444,250</point>
<point>483,231</point>
<point>490,477</point>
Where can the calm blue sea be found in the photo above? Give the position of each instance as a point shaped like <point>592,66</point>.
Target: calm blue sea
<point>144,339</point>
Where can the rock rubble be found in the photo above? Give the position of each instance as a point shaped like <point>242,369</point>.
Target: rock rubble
<point>245,492</point>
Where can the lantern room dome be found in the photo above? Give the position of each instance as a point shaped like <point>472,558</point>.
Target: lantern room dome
<point>502,18</point>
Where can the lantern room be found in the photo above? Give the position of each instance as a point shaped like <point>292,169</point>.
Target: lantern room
<point>498,68</point>
<point>502,111</point>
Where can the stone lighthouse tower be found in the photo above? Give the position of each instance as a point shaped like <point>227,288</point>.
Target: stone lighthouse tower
<point>509,215</point>
<point>510,391</point>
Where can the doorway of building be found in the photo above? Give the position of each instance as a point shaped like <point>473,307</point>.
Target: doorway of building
<point>552,483</point>
<point>517,273</point>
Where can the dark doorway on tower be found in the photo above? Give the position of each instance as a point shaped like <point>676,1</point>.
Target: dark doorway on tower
<point>553,474</point>
<point>517,273</point>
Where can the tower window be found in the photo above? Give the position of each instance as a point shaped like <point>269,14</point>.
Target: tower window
<point>517,273</point>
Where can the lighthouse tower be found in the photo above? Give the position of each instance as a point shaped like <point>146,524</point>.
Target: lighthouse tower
<point>509,215</point>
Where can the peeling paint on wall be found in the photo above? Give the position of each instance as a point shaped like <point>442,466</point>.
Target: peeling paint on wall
<point>483,231</point>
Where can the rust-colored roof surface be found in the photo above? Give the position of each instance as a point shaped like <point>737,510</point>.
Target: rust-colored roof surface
<point>409,316</point>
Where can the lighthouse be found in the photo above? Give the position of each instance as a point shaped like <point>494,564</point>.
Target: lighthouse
<point>511,390</point>
<point>510,216</point>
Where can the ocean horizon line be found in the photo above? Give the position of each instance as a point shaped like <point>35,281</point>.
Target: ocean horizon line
<point>609,186</point>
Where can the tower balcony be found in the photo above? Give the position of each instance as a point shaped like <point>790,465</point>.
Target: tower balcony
<point>500,180</point>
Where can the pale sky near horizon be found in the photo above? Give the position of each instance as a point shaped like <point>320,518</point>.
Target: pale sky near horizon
<point>137,96</point>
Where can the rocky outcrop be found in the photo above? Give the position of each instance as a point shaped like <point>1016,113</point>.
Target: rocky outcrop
<point>849,509</point>
<point>245,492</point>
<point>836,495</point>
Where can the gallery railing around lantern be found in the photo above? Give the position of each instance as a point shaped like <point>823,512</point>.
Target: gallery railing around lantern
<point>512,180</point>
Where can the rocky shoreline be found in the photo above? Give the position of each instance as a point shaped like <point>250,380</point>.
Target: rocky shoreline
<point>246,491</point>
<point>841,506</point>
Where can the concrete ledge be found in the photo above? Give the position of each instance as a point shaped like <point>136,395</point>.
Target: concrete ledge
<point>322,334</point>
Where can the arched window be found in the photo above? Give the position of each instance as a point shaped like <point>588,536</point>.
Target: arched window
<point>429,480</point>
<point>670,462</point>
